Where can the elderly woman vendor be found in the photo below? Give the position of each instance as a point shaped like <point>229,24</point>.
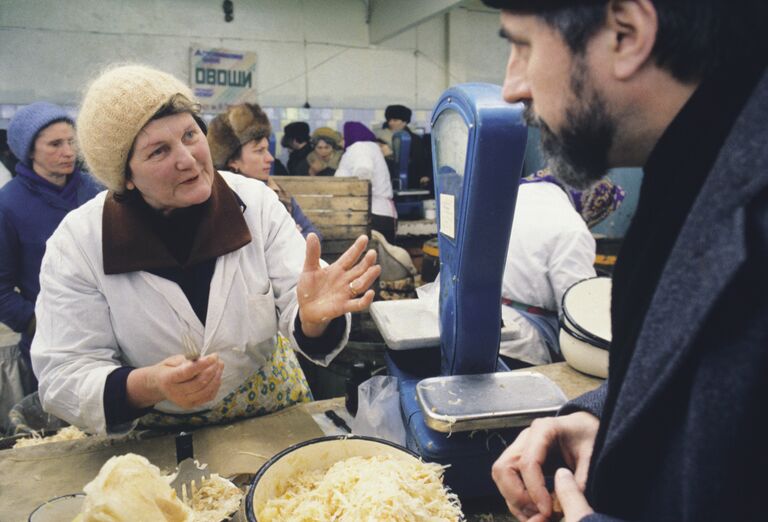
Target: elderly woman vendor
<point>161,299</point>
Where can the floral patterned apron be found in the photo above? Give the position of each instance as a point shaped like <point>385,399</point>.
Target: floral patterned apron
<point>276,385</point>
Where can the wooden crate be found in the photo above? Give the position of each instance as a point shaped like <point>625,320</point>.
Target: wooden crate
<point>340,208</point>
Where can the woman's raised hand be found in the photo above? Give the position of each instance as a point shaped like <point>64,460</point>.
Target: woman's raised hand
<point>325,293</point>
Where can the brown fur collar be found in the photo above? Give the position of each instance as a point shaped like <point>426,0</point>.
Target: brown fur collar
<point>129,244</point>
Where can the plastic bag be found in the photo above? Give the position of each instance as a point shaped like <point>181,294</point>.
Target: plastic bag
<point>12,383</point>
<point>27,416</point>
<point>430,294</point>
<point>378,410</point>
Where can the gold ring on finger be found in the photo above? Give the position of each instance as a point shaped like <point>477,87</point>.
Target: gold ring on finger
<point>352,290</point>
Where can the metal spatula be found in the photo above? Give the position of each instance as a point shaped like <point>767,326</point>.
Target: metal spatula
<point>190,475</point>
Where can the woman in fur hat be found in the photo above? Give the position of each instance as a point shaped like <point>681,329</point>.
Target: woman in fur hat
<point>161,300</point>
<point>326,152</point>
<point>239,142</point>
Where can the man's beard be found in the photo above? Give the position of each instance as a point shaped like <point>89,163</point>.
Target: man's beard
<point>578,154</point>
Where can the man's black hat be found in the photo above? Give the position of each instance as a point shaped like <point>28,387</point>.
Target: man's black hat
<point>296,130</point>
<point>397,112</point>
<point>538,5</point>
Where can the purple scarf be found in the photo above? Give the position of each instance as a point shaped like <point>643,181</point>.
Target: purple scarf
<point>594,204</point>
<point>355,131</point>
<point>67,195</point>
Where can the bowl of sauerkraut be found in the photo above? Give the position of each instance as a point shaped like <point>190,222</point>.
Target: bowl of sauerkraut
<point>349,479</point>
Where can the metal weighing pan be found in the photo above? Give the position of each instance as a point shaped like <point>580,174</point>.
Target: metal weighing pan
<point>487,401</point>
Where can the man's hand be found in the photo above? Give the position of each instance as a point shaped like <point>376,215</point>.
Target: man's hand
<point>176,379</point>
<point>571,496</point>
<point>519,471</point>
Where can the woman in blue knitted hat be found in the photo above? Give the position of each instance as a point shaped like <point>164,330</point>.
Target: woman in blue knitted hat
<point>47,186</point>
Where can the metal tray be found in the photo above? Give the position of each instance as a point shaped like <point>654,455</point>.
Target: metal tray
<point>487,401</point>
<point>407,324</point>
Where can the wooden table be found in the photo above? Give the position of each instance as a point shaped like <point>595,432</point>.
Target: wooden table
<point>30,476</point>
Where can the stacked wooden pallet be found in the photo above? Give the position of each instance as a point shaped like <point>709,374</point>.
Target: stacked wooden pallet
<point>340,208</point>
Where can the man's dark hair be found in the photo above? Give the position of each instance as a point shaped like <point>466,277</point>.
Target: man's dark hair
<point>695,37</point>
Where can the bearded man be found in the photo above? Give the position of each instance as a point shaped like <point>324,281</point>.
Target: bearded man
<point>679,88</point>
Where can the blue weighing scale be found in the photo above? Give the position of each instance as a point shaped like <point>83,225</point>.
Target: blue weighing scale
<point>478,143</point>
<point>408,201</point>
<point>401,146</point>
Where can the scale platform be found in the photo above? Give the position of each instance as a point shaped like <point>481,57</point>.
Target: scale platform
<point>408,324</point>
<point>456,403</point>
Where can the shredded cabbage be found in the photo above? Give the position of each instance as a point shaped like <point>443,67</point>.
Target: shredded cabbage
<point>361,489</point>
<point>68,433</point>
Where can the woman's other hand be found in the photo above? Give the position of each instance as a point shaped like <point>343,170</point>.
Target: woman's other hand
<point>183,382</point>
<point>325,293</point>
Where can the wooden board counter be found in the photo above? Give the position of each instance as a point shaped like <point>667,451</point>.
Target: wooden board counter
<point>30,476</point>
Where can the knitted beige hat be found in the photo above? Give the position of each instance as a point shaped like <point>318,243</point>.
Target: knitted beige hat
<point>116,107</point>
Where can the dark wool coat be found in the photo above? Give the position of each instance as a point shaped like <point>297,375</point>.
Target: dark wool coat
<point>687,438</point>
<point>29,213</point>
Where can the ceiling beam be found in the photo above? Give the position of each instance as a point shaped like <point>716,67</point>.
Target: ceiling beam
<point>391,17</point>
